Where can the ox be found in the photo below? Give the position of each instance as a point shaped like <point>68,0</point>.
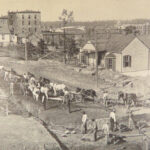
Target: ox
<point>128,98</point>
<point>58,88</point>
<point>24,88</point>
<point>45,91</point>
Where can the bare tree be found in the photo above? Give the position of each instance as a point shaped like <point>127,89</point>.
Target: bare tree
<point>66,17</point>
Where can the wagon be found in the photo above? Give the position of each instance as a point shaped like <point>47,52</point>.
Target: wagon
<point>60,98</point>
<point>77,97</point>
<point>80,97</point>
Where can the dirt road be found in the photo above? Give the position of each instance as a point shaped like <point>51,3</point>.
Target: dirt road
<point>57,113</point>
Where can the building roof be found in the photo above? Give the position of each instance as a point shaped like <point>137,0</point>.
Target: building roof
<point>145,39</point>
<point>118,42</point>
<point>88,47</point>
<point>4,17</point>
<point>24,11</point>
<point>115,43</point>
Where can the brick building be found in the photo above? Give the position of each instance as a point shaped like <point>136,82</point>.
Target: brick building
<point>23,23</point>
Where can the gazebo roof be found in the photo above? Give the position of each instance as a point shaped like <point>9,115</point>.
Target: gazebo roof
<point>88,47</point>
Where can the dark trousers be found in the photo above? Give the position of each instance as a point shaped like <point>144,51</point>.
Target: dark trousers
<point>68,105</point>
<point>106,102</point>
<point>112,124</point>
<point>84,128</point>
<point>95,135</point>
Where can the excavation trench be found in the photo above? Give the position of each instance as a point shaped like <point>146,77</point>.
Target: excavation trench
<point>25,106</point>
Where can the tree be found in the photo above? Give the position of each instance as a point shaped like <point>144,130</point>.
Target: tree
<point>131,30</point>
<point>31,49</point>
<point>66,17</point>
<point>71,47</point>
<point>41,46</point>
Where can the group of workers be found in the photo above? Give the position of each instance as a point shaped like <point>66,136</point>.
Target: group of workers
<point>94,128</point>
<point>108,126</point>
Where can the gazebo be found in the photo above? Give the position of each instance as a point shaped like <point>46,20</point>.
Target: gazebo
<point>87,54</point>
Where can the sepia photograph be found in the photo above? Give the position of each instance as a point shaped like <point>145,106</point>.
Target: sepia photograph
<point>74,74</point>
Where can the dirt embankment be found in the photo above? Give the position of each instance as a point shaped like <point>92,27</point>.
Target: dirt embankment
<point>19,131</point>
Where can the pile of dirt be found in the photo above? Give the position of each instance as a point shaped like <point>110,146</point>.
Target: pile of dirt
<point>23,133</point>
<point>118,82</point>
<point>139,86</point>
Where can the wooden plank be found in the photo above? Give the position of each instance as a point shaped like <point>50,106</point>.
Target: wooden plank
<point>55,98</point>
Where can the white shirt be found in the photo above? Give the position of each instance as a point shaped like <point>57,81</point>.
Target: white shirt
<point>10,75</point>
<point>105,128</point>
<point>84,118</point>
<point>113,116</point>
<point>105,95</point>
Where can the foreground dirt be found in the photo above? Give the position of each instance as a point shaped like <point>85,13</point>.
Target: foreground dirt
<point>18,131</point>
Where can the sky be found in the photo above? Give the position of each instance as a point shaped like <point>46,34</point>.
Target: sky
<point>84,10</point>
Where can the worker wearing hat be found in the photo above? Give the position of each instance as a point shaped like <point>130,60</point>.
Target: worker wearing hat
<point>130,118</point>
<point>112,117</point>
<point>105,129</point>
<point>105,98</point>
<point>84,123</point>
<point>67,99</point>
<point>95,129</point>
<point>11,88</point>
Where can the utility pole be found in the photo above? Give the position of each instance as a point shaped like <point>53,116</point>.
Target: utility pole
<point>64,44</point>
<point>96,53</point>
<point>96,58</point>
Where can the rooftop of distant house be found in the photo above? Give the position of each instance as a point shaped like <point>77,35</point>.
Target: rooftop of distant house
<point>24,11</point>
<point>117,43</point>
<point>3,17</point>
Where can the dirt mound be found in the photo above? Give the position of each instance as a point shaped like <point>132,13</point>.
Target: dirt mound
<point>23,133</point>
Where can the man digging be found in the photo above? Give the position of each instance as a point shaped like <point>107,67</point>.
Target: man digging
<point>105,129</point>
<point>112,117</point>
<point>84,123</point>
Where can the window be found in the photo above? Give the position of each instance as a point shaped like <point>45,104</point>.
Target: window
<point>22,30</point>
<point>29,17</point>
<point>126,61</point>
<point>29,29</point>
<point>110,63</point>
<point>29,23</point>
<point>35,22</point>
<point>22,16</point>
<point>35,29</point>
<point>35,17</point>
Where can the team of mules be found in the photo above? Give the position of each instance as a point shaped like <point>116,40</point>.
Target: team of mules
<point>42,88</point>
